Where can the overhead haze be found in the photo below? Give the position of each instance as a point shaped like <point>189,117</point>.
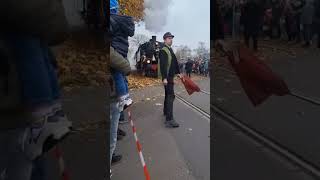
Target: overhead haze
<point>156,12</point>
<point>188,20</point>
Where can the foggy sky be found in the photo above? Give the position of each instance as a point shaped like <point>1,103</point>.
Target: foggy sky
<point>188,20</point>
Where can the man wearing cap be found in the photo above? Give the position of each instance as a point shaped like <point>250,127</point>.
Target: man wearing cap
<point>168,69</point>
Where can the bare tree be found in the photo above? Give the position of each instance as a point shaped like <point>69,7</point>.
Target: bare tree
<point>183,52</point>
<point>201,51</point>
<point>139,39</point>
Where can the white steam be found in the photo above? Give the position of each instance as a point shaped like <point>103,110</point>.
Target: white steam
<point>156,12</point>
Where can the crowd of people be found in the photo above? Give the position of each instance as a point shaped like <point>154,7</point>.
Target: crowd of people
<point>297,21</point>
<point>196,66</point>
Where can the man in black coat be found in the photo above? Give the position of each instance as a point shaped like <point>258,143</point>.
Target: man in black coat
<point>188,67</point>
<point>297,6</point>
<point>276,15</point>
<point>168,69</point>
<point>252,20</point>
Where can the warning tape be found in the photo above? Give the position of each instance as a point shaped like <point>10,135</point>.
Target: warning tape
<point>58,155</point>
<point>145,170</point>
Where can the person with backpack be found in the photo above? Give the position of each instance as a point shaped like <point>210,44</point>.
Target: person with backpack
<point>168,69</point>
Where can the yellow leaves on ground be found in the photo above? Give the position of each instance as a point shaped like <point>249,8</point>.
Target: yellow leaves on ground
<point>80,66</point>
<point>138,82</point>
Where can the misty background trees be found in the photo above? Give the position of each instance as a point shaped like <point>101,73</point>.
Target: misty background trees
<point>184,52</point>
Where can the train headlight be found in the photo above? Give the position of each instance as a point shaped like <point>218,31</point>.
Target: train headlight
<point>148,61</point>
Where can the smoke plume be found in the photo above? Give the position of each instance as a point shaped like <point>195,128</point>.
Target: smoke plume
<point>156,12</point>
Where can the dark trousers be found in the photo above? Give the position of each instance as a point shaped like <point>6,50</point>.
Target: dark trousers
<point>168,100</point>
<point>275,26</point>
<point>247,36</point>
<point>298,32</point>
<point>289,29</point>
<point>39,171</point>
<point>189,74</point>
<point>307,33</point>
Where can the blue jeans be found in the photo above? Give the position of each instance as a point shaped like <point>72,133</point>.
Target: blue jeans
<point>39,171</point>
<point>39,80</point>
<point>114,122</point>
<point>12,159</point>
<point>121,83</point>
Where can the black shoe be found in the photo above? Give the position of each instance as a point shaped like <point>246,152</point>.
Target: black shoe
<point>121,132</point>
<point>172,124</point>
<point>123,120</point>
<point>119,137</point>
<point>116,159</point>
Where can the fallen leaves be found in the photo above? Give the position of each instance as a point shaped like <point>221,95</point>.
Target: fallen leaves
<point>139,82</point>
<point>80,66</point>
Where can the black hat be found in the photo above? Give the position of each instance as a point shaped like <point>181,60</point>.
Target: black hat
<point>167,34</point>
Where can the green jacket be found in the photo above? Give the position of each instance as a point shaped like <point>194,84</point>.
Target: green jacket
<point>119,63</point>
<point>167,63</point>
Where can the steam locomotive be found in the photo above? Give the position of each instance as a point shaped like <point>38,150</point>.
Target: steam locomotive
<point>147,57</point>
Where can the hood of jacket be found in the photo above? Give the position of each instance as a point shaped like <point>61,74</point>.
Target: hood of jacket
<point>121,24</point>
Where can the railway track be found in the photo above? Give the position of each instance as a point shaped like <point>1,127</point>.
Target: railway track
<point>260,138</point>
<point>270,144</point>
<point>195,107</point>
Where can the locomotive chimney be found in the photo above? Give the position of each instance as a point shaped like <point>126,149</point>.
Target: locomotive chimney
<point>154,38</point>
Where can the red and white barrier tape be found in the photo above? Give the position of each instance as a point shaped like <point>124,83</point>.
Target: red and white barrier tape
<point>58,155</point>
<point>145,170</point>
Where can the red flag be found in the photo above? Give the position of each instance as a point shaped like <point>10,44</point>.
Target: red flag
<point>190,86</point>
<point>257,79</point>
